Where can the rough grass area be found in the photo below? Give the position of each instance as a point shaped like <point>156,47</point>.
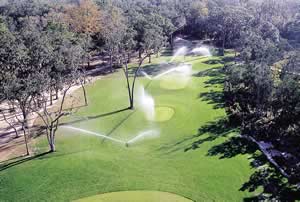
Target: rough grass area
<point>192,157</point>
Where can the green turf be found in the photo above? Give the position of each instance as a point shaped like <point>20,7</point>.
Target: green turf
<point>174,82</point>
<point>135,196</point>
<point>87,165</point>
<point>163,114</point>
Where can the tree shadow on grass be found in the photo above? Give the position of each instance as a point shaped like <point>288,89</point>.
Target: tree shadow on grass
<point>86,118</point>
<point>266,180</point>
<point>274,186</point>
<point>213,130</point>
<point>151,69</point>
<point>215,76</point>
<point>167,52</point>
<point>16,161</point>
<point>207,133</point>
<point>215,98</point>
<point>233,147</point>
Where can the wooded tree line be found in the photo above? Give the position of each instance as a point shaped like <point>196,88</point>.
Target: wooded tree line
<point>46,45</point>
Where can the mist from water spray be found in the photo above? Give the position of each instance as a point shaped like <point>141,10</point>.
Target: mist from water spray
<point>149,134</point>
<point>177,39</point>
<point>180,52</point>
<point>145,102</point>
<point>165,72</point>
<point>93,133</point>
<point>147,75</point>
<point>203,51</point>
<point>184,69</point>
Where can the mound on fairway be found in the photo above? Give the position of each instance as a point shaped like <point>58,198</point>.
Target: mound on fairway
<point>135,196</point>
<point>163,114</point>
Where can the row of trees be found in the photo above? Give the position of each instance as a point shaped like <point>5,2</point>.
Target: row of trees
<point>36,59</point>
<point>262,90</point>
<point>44,47</point>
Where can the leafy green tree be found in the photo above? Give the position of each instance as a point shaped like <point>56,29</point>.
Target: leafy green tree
<point>114,28</point>
<point>24,70</point>
<point>226,25</point>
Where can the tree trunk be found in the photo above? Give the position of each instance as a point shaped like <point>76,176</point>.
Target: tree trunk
<point>128,86</point>
<point>131,103</point>
<point>88,60</point>
<point>52,145</point>
<point>25,138</point>
<point>110,63</point>
<point>51,100</point>
<point>150,58</point>
<point>140,54</point>
<point>134,79</point>
<point>25,126</point>
<point>84,94</point>
<point>129,58</point>
<point>51,139</point>
<point>223,46</point>
<point>10,124</point>
<point>235,56</point>
<point>172,41</point>
<point>56,93</point>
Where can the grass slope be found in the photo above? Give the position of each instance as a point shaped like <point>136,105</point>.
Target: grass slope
<point>179,161</point>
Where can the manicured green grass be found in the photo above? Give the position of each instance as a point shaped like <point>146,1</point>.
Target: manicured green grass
<point>135,196</point>
<point>163,114</point>
<point>87,165</point>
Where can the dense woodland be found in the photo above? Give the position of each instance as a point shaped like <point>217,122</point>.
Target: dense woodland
<point>46,47</point>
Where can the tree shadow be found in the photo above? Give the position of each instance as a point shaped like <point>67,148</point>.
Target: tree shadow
<point>86,118</point>
<point>233,147</point>
<point>207,133</point>
<point>213,62</point>
<point>151,69</point>
<point>213,130</point>
<point>215,76</point>
<point>212,73</point>
<point>216,98</point>
<point>10,163</point>
<point>266,180</point>
<point>167,52</point>
<point>274,186</point>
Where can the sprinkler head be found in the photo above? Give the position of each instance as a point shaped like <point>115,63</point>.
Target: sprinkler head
<point>126,144</point>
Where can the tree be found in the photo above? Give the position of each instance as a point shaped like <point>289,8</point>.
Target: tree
<point>11,121</point>
<point>60,41</point>
<point>226,24</point>
<point>23,69</point>
<point>153,40</point>
<point>51,117</point>
<point>63,71</point>
<point>84,18</point>
<point>114,28</point>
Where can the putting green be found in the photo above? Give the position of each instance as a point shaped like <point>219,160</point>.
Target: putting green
<point>174,82</point>
<point>163,114</point>
<point>135,196</point>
